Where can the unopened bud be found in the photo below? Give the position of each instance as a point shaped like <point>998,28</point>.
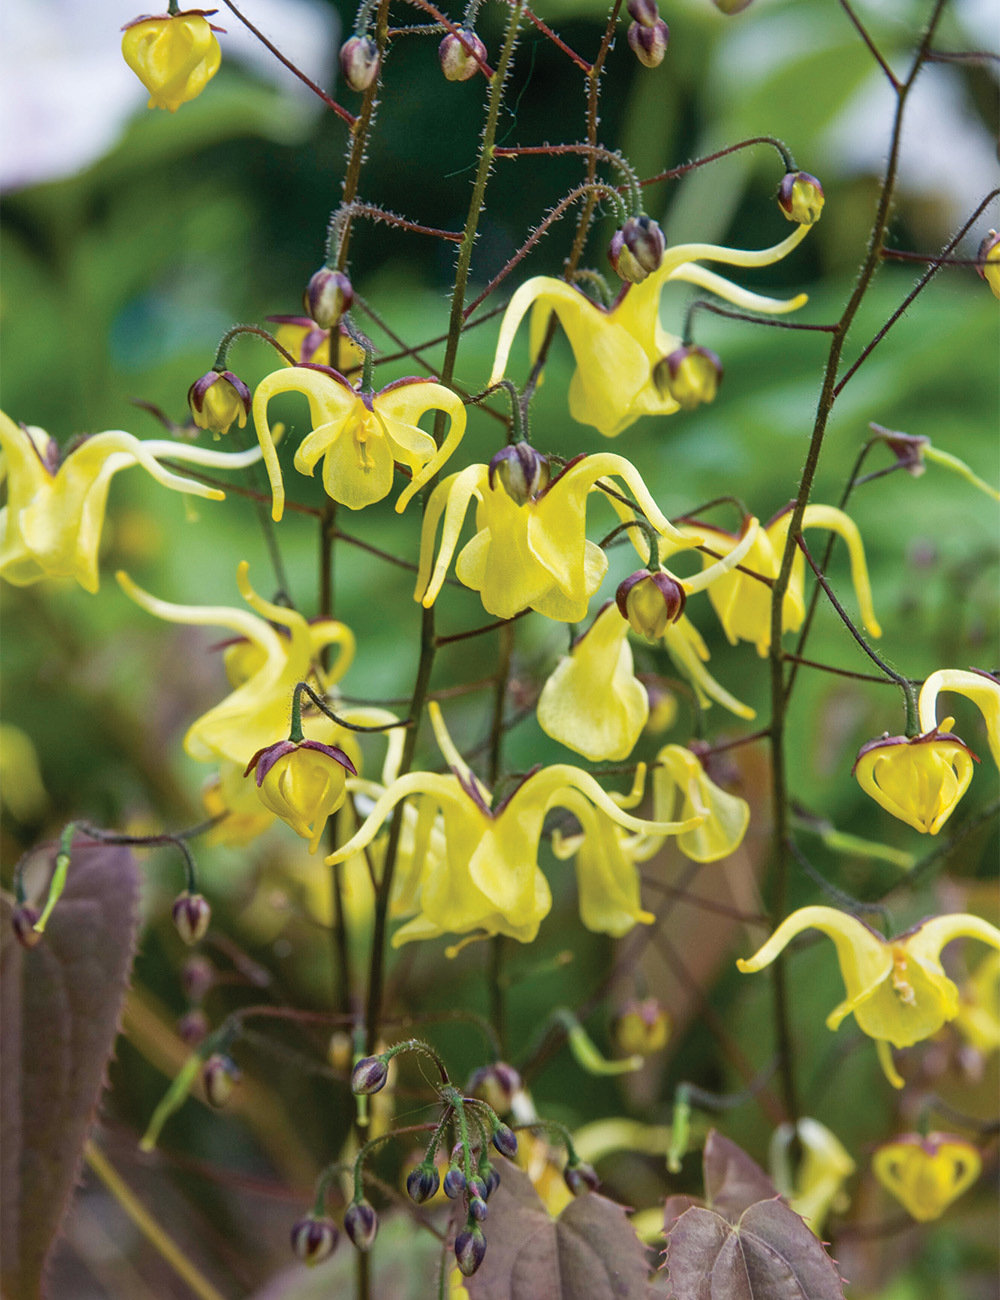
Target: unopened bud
<point>649,44</point>
<point>192,1027</point>
<point>327,296</point>
<point>636,250</point>
<point>314,1239</point>
<point>22,922</point>
<point>457,63</point>
<point>801,198</point>
<point>477,1188</point>
<point>197,977</point>
<point>360,62</point>
<point>491,1179</point>
<point>496,1084</point>
<point>361,1224</point>
<point>470,1249</point>
<point>642,1028</point>
<point>191,913</point>
<point>644,12</point>
<point>217,399</point>
<point>690,375</point>
<point>368,1076</point>
<point>478,1208</point>
<point>581,1177</point>
<point>650,602</point>
<point>454,1182</point>
<point>505,1141</point>
<point>522,472</point>
<point>422,1183</point>
<point>989,261</point>
<point>219,1076</point>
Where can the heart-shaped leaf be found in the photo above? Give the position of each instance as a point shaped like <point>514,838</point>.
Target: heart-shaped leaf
<point>733,1181</point>
<point>60,1005</point>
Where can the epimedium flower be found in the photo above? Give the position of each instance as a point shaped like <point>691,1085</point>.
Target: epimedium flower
<point>617,348</point>
<point>175,56</point>
<point>488,879</point>
<point>919,779</point>
<point>304,782</point>
<point>532,555</point>
<point>678,774</point>
<point>359,434</point>
<point>52,522</point>
<point>925,1174</point>
<point>217,399</point>
<point>896,988</point>
<point>743,604</point>
<point>817,1185</point>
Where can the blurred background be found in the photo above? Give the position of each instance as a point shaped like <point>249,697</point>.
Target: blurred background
<point>133,239</point>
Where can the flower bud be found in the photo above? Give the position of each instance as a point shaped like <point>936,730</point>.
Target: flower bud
<point>361,1224</point>
<point>636,250</point>
<point>422,1183</point>
<point>304,782</point>
<point>314,1239</point>
<point>219,1076</point>
<point>22,922</point>
<point>175,56</point>
<point>327,297</point>
<point>650,602</point>
<point>989,261</point>
<point>801,198</point>
<point>649,44</point>
<point>217,399</point>
<point>642,1028</point>
<point>496,1084</point>
<point>477,1188</point>
<point>454,1182</point>
<point>368,1076</point>
<point>197,977</point>
<point>690,375</point>
<point>360,62</point>
<point>192,1027</point>
<point>644,12</point>
<point>191,913</point>
<point>505,1141</point>
<point>581,1177</point>
<point>492,1180</point>
<point>470,1249</point>
<point>522,471</point>
<point>478,1208</point>
<point>457,63</point>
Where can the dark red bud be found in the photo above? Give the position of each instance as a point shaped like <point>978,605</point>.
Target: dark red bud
<point>360,63</point>
<point>649,44</point>
<point>368,1076</point>
<point>328,295</point>
<point>470,1249</point>
<point>361,1224</point>
<point>191,913</point>
<point>314,1239</point>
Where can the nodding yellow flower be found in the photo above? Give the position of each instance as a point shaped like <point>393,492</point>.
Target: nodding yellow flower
<point>304,782</point>
<point>978,1019</point>
<point>617,348</point>
<point>817,1185</point>
<point>678,773</point>
<point>256,713</point>
<point>533,555</point>
<point>52,522</point>
<point>919,780</point>
<point>360,435</point>
<point>743,603</point>
<point>981,688</point>
<point>175,56</point>
<point>897,990</point>
<point>925,1174</point>
<point>488,880</point>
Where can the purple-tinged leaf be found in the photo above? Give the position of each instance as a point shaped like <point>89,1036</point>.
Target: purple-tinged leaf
<point>590,1252</point>
<point>60,1006</point>
<point>733,1181</point>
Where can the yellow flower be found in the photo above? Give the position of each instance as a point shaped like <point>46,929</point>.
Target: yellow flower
<point>256,713</point>
<point>51,525</point>
<point>919,780</point>
<point>488,879</point>
<point>743,604</point>
<point>981,688</point>
<point>896,988</point>
<point>534,555</point>
<point>359,435</point>
<point>304,782</point>
<point>642,1028</point>
<point>978,1019</point>
<point>303,338</point>
<point>989,261</point>
<point>925,1174</point>
<point>617,348</point>
<point>817,1186</point>
<point>724,817</point>
<point>801,198</point>
<point>686,647</point>
<point>175,56</point>
<point>217,399</point>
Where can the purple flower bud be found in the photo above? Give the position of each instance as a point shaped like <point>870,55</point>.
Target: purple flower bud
<point>368,1076</point>
<point>492,1181</point>
<point>522,472</point>
<point>457,63</point>
<point>197,977</point>
<point>219,1076</point>
<point>801,198</point>
<point>637,249</point>
<point>327,296</point>
<point>422,1183</point>
<point>22,922</point>
<point>470,1248</point>
<point>496,1084</point>
<point>314,1239</point>
<point>649,44</point>
<point>361,1224</point>
<point>644,12</point>
<point>650,602</point>
<point>192,1026</point>
<point>581,1177</point>
<point>505,1141</point>
<point>477,1188</point>
<point>191,913</point>
<point>478,1208</point>
<point>454,1182</point>
<point>360,62</point>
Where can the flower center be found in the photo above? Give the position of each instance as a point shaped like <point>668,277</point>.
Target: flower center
<point>901,985</point>
<point>363,431</point>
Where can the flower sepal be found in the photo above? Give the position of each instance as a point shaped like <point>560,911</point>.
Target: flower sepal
<point>650,602</point>
<point>801,198</point>
<point>217,399</point>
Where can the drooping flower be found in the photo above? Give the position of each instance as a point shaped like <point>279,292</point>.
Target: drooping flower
<point>617,348</point>
<point>359,435</point>
<point>896,988</point>
<point>217,399</point>
<point>51,525</point>
<point>488,879</point>
<point>304,782</point>
<point>817,1185</point>
<point>743,604</point>
<point>534,555</point>
<point>678,773</point>
<point>175,56</point>
<point>925,1174</point>
<point>919,779</point>
<point>981,688</point>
